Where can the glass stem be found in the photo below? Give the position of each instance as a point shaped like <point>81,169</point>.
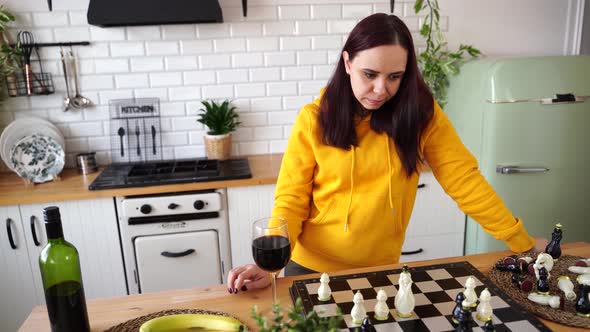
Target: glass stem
<point>273,276</point>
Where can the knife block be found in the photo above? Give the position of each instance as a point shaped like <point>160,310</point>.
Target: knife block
<point>135,130</point>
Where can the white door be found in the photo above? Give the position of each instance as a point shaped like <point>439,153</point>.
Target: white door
<point>180,260</point>
<point>16,278</point>
<point>91,226</point>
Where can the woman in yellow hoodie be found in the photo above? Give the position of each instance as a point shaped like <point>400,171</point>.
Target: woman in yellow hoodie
<point>349,175</point>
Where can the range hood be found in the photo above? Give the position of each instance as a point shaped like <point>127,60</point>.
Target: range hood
<point>110,13</point>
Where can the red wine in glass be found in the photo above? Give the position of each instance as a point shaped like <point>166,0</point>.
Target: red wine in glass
<point>271,248</point>
<point>272,252</point>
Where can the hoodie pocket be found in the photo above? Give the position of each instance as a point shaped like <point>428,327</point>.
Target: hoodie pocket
<point>324,212</point>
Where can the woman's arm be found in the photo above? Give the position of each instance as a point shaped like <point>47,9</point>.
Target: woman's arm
<point>294,185</point>
<point>457,171</point>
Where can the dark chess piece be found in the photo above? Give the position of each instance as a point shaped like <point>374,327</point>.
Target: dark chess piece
<point>366,326</point>
<point>489,326</point>
<point>554,248</point>
<point>521,283</point>
<point>543,282</point>
<point>465,320</point>
<point>583,303</point>
<point>457,310</point>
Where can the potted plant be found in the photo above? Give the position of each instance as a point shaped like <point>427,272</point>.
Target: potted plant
<point>222,120</point>
<point>296,320</point>
<point>10,56</point>
<point>436,62</point>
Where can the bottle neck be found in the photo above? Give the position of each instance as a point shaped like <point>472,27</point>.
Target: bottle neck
<point>54,231</point>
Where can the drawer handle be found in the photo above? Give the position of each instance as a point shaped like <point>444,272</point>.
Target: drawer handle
<point>412,252</point>
<point>177,254</point>
<point>9,231</point>
<point>35,240</point>
<point>422,185</point>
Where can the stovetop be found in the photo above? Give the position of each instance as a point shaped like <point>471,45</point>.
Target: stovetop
<point>170,172</point>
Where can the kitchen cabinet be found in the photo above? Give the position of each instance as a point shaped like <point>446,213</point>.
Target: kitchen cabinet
<point>89,224</point>
<point>246,204</point>
<point>436,228</point>
<point>437,225</point>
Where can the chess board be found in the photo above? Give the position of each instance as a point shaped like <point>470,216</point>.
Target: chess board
<point>435,288</point>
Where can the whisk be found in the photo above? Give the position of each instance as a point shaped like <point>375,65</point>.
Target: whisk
<point>26,42</point>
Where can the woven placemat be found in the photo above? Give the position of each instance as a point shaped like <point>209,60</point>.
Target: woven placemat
<point>568,315</point>
<point>133,325</point>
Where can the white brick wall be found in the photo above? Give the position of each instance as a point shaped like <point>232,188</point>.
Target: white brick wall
<point>270,63</point>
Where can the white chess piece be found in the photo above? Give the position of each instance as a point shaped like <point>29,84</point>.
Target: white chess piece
<point>579,269</point>
<point>381,309</point>
<point>553,301</point>
<point>358,312</point>
<point>567,287</point>
<point>324,292</point>
<point>470,296</point>
<point>484,308</point>
<point>543,260</point>
<point>404,299</point>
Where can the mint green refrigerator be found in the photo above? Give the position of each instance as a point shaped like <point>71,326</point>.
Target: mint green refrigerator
<point>527,121</point>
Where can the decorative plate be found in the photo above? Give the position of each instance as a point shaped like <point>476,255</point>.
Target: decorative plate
<point>38,158</point>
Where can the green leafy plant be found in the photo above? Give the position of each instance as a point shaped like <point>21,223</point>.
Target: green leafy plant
<point>436,62</point>
<point>296,320</point>
<point>11,57</point>
<point>221,118</point>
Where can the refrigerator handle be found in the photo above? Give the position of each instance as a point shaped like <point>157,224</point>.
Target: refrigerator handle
<point>516,169</point>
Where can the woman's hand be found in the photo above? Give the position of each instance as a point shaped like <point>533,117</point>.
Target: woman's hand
<point>540,244</point>
<point>247,277</point>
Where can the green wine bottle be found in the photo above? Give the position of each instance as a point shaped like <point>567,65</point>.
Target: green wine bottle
<point>62,279</point>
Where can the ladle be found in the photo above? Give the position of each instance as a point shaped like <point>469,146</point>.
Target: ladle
<point>78,101</point>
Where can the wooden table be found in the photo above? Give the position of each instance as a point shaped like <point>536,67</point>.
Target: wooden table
<point>104,313</point>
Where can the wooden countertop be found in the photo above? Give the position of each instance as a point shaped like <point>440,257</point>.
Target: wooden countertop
<point>73,186</point>
<point>104,313</point>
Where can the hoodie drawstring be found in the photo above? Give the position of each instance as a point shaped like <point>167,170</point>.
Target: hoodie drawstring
<point>390,171</point>
<point>351,191</point>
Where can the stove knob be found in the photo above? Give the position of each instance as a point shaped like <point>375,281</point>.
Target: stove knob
<point>173,206</point>
<point>199,205</point>
<point>145,209</point>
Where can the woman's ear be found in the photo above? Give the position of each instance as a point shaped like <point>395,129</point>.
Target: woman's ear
<point>346,59</point>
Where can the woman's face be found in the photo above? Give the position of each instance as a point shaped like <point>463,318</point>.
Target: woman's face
<point>376,73</point>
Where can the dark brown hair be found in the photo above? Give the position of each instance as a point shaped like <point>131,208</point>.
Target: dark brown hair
<point>403,117</point>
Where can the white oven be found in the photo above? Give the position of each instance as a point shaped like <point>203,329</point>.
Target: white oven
<point>177,240</point>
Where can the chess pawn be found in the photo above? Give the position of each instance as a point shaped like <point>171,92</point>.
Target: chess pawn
<point>567,287</point>
<point>470,296</point>
<point>579,269</point>
<point>543,281</point>
<point>404,299</point>
<point>484,309</point>
<point>457,310</point>
<point>583,301</point>
<point>367,326</point>
<point>553,301</point>
<point>554,248</point>
<point>381,309</point>
<point>358,312</point>
<point>465,319</point>
<point>324,291</point>
<point>489,326</point>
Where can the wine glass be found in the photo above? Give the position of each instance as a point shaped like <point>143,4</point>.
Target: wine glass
<point>271,248</point>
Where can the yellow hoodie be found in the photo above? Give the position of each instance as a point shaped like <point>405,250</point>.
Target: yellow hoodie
<point>350,208</point>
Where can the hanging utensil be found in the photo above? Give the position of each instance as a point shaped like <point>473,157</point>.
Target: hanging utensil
<point>26,41</point>
<point>67,99</point>
<point>121,133</point>
<point>78,101</point>
<point>137,135</point>
<point>154,139</point>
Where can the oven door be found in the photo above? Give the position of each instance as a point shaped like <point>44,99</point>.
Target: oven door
<point>179,260</point>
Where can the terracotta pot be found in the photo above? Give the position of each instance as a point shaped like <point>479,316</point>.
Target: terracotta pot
<point>218,146</point>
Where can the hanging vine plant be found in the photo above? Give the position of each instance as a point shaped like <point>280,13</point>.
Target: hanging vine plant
<point>436,62</point>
